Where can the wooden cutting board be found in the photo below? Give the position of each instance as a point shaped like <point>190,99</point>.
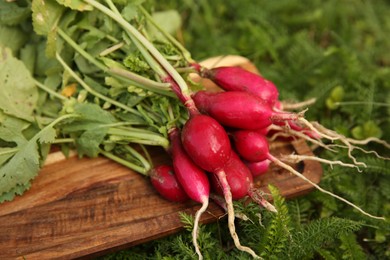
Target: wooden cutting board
<point>81,208</point>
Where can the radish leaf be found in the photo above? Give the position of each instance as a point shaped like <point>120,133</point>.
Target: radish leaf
<point>18,94</point>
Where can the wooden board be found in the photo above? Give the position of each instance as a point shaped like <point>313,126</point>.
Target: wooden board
<point>88,207</point>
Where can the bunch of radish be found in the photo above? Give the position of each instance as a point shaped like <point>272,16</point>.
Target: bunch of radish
<point>225,144</point>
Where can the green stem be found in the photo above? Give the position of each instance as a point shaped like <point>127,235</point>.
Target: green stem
<point>63,140</point>
<point>149,46</point>
<point>138,156</point>
<point>137,78</point>
<point>128,164</point>
<point>362,103</point>
<point>48,90</point>
<point>138,136</point>
<point>186,54</point>
<point>129,77</point>
<point>92,91</point>
<point>149,58</point>
<point>80,50</point>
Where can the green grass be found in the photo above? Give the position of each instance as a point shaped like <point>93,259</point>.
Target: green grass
<point>307,48</point>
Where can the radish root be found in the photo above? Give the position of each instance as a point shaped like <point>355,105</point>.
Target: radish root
<point>287,132</point>
<point>293,171</point>
<point>229,203</point>
<point>294,158</point>
<point>196,227</point>
<point>298,105</point>
<point>256,196</point>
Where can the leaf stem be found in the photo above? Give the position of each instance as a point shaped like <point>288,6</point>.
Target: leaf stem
<point>148,45</point>
<point>186,54</point>
<point>132,78</point>
<point>122,161</point>
<point>92,91</point>
<point>48,90</point>
<point>138,136</point>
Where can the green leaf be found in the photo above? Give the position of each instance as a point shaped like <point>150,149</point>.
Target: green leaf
<point>277,234</point>
<point>11,129</point>
<point>12,14</point>
<point>18,94</point>
<point>12,37</point>
<point>136,64</point>
<point>368,129</point>
<point>88,143</point>
<point>351,248</point>
<point>76,5</point>
<point>17,190</point>
<point>46,15</point>
<point>18,171</point>
<point>319,232</point>
<point>169,21</point>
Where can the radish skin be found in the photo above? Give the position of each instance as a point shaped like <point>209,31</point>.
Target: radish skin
<point>258,168</point>
<point>239,79</point>
<point>239,109</point>
<point>166,184</point>
<point>250,145</point>
<point>193,179</point>
<point>208,144</point>
<point>241,184</point>
<point>238,176</point>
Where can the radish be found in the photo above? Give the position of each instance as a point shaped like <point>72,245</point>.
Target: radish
<point>240,181</point>
<point>239,109</point>
<point>166,184</point>
<point>193,179</point>
<point>208,144</point>
<point>239,79</point>
<point>258,168</point>
<point>257,138</point>
<point>246,147</point>
<point>238,176</point>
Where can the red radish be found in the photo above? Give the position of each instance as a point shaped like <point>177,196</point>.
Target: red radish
<point>258,168</point>
<point>208,144</point>
<point>239,79</point>
<point>193,179</point>
<point>238,176</point>
<point>239,109</point>
<point>240,181</point>
<point>165,182</point>
<point>250,145</point>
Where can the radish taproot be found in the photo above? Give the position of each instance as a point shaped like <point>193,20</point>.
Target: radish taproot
<point>208,144</point>
<point>166,184</point>
<point>192,178</point>
<point>239,109</point>
<point>238,79</point>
